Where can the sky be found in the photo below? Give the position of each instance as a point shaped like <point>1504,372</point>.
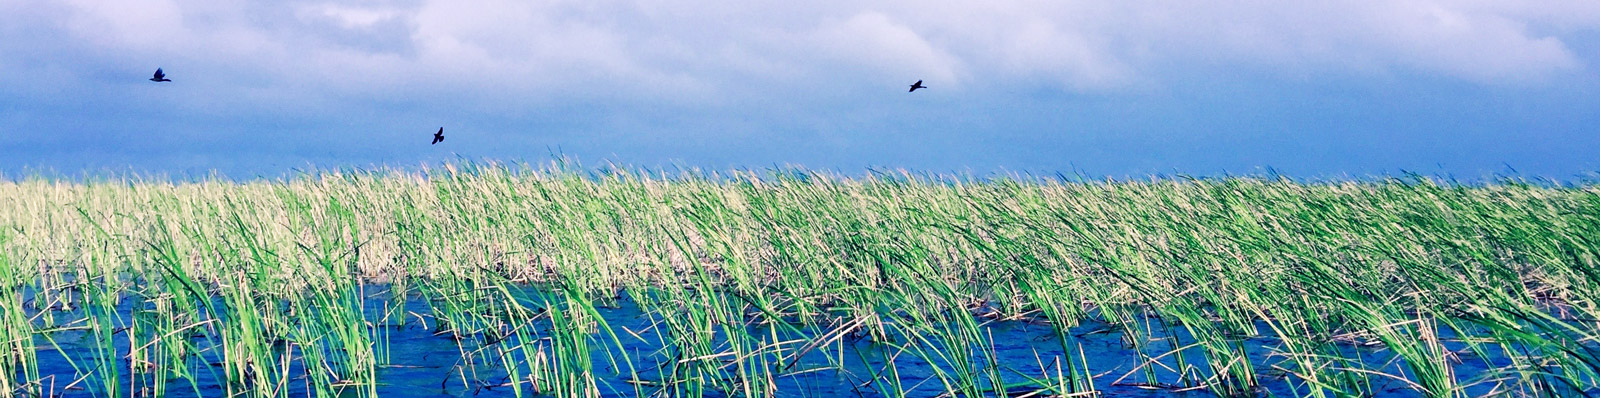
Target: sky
<point>1326,89</point>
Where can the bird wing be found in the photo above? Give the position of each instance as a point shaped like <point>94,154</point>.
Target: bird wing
<point>159,74</point>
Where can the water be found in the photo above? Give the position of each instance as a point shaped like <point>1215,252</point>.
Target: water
<point>425,363</point>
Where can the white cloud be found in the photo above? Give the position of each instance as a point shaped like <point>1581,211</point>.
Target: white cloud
<point>698,50</point>
<point>875,41</point>
<point>1469,43</point>
<point>1449,38</point>
<point>351,17</point>
<point>136,25</point>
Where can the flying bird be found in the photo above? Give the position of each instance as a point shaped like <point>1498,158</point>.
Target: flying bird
<point>160,77</point>
<point>916,86</point>
<point>439,136</point>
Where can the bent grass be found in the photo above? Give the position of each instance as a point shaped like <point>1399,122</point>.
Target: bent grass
<point>755,278</point>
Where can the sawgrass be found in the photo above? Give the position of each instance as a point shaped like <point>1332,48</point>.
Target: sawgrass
<point>749,273</point>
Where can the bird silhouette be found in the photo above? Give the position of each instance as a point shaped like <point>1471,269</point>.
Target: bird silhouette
<point>160,77</point>
<point>439,136</point>
<point>917,85</point>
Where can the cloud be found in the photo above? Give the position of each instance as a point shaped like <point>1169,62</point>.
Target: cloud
<point>1455,39</point>
<point>662,50</point>
<point>1472,43</point>
<point>877,42</point>
<point>368,30</point>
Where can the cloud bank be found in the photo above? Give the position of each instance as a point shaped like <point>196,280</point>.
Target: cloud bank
<point>320,63</point>
<point>719,48</point>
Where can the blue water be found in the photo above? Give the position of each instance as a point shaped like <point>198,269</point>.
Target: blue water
<point>425,363</point>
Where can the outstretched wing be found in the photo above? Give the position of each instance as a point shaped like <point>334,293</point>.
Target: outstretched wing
<point>159,74</point>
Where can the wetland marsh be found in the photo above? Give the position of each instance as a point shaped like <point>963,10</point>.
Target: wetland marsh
<point>511,280</point>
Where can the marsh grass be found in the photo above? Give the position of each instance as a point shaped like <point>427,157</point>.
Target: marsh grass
<point>748,279</point>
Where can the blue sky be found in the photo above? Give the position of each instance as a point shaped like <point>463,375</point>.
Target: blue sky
<point>1127,88</point>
